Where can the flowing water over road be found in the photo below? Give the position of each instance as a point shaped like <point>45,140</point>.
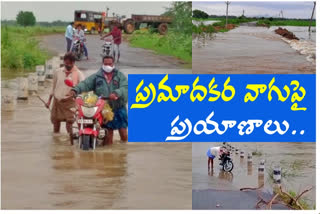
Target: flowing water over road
<point>298,173</point>
<point>251,50</point>
<point>42,171</point>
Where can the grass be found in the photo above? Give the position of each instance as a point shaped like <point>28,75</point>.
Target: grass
<point>257,153</point>
<point>172,44</point>
<point>288,22</point>
<point>219,26</point>
<point>20,51</point>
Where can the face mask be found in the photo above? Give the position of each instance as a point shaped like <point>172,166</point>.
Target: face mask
<point>107,68</point>
<point>68,67</point>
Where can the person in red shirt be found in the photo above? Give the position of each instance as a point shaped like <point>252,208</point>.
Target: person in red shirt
<point>116,35</point>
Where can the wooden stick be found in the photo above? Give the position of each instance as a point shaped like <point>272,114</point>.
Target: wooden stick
<point>269,205</point>
<point>43,102</point>
<point>302,193</point>
<point>251,188</point>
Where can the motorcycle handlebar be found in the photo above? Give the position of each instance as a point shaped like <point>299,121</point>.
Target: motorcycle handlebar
<point>104,98</point>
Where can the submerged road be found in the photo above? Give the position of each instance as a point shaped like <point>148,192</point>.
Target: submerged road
<point>248,50</point>
<point>42,171</point>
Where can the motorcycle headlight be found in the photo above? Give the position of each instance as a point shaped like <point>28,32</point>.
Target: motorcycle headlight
<point>89,112</point>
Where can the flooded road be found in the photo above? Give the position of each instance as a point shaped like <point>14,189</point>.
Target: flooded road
<point>42,171</point>
<point>248,50</point>
<point>298,173</point>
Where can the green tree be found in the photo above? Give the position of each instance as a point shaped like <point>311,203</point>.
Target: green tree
<point>181,12</point>
<point>200,14</point>
<point>26,18</point>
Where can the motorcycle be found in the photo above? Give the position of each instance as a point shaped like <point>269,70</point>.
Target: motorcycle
<point>226,161</point>
<point>77,48</point>
<point>107,48</point>
<point>89,120</point>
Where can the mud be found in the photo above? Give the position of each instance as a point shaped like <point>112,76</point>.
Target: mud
<point>298,173</point>
<point>42,171</point>
<point>248,50</point>
<point>285,33</point>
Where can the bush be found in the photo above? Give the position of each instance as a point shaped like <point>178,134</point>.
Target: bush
<point>20,51</point>
<point>199,14</point>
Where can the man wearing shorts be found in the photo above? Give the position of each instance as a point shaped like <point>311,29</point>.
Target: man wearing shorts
<point>212,153</point>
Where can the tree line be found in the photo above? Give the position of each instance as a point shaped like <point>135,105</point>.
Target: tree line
<point>27,18</point>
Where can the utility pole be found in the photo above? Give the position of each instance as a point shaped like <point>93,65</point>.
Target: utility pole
<point>227,3</point>
<point>107,11</point>
<point>314,6</point>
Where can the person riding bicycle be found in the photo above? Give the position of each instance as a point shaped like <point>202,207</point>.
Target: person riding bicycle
<point>79,34</point>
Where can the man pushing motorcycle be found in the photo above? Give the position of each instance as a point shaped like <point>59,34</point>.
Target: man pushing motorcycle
<point>116,35</point>
<point>109,82</point>
<point>213,152</point>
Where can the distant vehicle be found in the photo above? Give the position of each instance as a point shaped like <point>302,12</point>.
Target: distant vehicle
<point>91,21</point>
<point>107,48</point>
<point>226,161</point>
<point>159,22</point>
<point>77,48</point>
<point>99,21</point>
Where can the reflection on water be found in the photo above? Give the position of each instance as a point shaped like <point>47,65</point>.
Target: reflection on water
<point>296,159</point>
<point>41,171</point>
<point>197,23</point>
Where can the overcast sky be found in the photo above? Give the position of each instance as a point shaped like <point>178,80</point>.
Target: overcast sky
<point>52,11</point>
<point>292,9</point>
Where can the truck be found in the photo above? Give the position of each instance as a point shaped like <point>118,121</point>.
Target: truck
<point>92,22</point>
<point>159,22</point>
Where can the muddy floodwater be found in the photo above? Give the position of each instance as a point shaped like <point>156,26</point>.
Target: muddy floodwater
<point>297,160</point>
<point>253,50</point>
<point>42,171</point>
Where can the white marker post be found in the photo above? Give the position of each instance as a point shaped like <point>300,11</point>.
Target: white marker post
<point>261,167</point>
<point>249,157</point>
<point>8,101</point>
<point>50,66</point>
<point>40,70</point>
<point>241,154</point>
<point>22,88</point>
<point>277,174</point>
<point>33,83</point>
<point>61,61</point>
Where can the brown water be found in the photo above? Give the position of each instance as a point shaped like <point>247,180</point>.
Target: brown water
<point>42,171</point>
<point>247,50</point>
<point>296,159</point>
